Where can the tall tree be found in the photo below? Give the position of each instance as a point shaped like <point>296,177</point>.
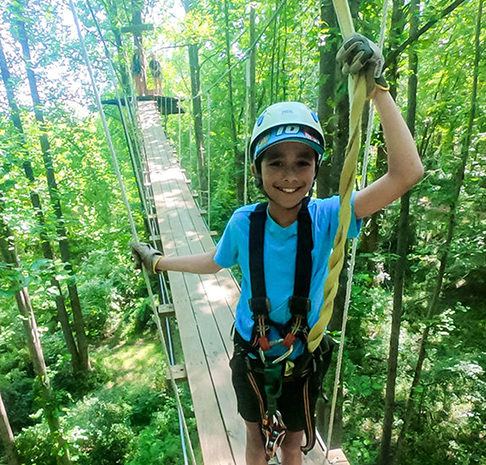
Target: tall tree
<point>21,35</point>
<point>47,251</point>
<point>239,155</point>
<point>454,203</point>
<point>22,297</point>
<point>327,88</point>
<point>403,233</point>
<point>195,70</point>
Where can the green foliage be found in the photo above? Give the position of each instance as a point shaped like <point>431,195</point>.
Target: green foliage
<point>159,444</point>
<point>105,420</point>
<point>35,445</point>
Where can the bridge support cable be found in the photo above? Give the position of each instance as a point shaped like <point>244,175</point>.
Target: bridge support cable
<point>130,217</point>
<point>208,161</point>
<point>134,159</point>
<point>137,162</point>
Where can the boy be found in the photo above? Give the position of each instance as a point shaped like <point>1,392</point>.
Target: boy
<point>283,251</point>
<point>156,72</point>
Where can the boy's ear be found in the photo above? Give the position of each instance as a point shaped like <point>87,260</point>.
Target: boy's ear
<point>258,177</point>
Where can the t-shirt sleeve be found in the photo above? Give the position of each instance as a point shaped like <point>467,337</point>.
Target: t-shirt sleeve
<point>354,225</point>
<point>227,247</point>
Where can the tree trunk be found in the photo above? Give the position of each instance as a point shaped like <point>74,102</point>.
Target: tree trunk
<point>34,344</point>
<point>197,112</point>
<point>403,234</point>
<point>7,437</point>
<point>272,60</point>
<point>284,77</point>
<point>193,51</point>
<point>252,67</point>
<point>62,314</point>
<point>326,102</point>
<point>238,154</point>
<point>434,302</point>
<point>55,201</point>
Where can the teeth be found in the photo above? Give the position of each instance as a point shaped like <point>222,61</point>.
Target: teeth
<point>288,191</point>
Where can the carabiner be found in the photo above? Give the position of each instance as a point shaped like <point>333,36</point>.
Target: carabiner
<point>274,430</point>
<point>279,359</point>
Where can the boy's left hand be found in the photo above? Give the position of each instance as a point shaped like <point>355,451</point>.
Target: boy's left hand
<point>146,254</point>
<point>360,55</point>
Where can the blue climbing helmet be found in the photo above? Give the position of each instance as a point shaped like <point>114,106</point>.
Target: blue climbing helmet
<point>286,121</point>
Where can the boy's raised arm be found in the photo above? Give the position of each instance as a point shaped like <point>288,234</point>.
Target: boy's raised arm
<point>154,261</point>
<point>358,55</point>
<point>404,166</point>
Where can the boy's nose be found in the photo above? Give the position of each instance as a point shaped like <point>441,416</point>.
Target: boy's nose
<point>289,174</point>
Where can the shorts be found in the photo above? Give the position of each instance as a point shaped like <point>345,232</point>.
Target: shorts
<point>299,394</point>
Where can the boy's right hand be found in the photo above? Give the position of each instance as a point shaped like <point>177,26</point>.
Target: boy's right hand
<point>146,254</point>
<point>360,55</point>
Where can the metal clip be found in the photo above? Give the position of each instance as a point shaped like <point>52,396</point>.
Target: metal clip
<point>279,359</point>
<point>274,430</point>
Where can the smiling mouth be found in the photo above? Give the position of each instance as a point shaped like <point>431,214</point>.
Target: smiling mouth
<point>288,190</point>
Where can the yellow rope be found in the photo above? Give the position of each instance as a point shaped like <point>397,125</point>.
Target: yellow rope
<point>346,187</point>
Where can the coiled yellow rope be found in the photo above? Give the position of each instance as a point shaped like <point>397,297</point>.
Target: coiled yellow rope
<point>357,91</point>
<point>346,187</point>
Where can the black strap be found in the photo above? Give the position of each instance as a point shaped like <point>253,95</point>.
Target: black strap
<point>299,302</point>
<point>258,301</point>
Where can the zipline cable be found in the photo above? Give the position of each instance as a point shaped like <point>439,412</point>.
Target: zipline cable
<point>127,206</point>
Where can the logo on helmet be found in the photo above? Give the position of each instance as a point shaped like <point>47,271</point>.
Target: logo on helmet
<point>292,129</point>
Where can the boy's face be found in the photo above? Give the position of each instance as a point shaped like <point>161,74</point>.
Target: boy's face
<point>288,171</point>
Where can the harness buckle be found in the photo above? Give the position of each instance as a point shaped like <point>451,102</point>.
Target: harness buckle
<point>274,431</point>
<point>279,359</point>
<point>259,306</point>
<point>299,305</point>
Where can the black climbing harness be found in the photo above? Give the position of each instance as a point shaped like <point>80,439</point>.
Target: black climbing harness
<point>299,303</point>
<point>273,427</point>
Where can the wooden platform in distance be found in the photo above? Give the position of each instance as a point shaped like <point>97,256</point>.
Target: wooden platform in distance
<point>204,305</point>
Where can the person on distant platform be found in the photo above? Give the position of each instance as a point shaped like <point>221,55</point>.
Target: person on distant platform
<point>138,70</point>
<point>282,247</point>
<point>156,72</point>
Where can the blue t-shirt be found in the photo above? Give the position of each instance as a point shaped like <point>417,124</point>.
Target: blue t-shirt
<point>279,255</point>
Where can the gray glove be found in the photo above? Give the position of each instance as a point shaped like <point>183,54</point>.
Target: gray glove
<point>146,254</point>
<point>359,55</point>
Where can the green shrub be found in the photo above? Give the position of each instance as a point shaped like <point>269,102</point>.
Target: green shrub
<point>99,430</point>
<point>35,445</point>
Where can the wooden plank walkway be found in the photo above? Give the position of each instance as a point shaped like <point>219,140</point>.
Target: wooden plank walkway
<point>204,305</point>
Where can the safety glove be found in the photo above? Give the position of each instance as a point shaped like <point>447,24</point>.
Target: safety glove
<point>360,55</point>
<point>146,254</point>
